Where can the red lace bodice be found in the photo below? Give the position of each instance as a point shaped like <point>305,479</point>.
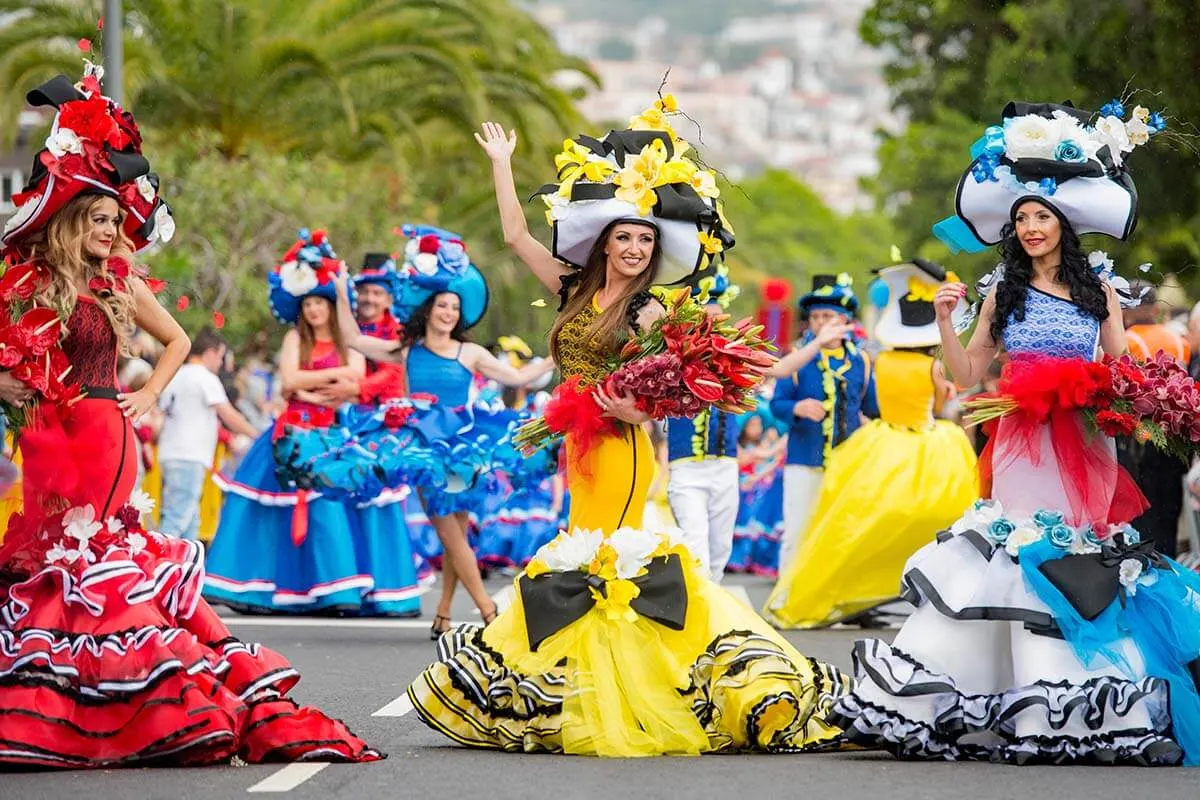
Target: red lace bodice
<point>91,346</point>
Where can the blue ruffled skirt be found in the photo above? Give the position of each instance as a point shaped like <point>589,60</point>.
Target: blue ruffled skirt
<point>355,557</point>
<point>759,527</point>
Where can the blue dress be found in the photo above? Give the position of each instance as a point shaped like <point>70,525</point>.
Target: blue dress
<point>520,518</point>
<point>433,441</point>
<point>1045,630</point>
<point>354,557</point>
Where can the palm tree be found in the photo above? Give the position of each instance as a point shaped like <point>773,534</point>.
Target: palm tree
<point>351,76</point>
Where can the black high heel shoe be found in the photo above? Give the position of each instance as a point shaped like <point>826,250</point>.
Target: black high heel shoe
<point>435,630</point>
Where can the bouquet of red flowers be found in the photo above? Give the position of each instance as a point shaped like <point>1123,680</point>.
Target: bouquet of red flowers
<point>1154,401</point>
<point>29,342</point>
<point>686,362</point>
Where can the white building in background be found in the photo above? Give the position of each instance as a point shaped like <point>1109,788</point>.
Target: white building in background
<point>796,89</point>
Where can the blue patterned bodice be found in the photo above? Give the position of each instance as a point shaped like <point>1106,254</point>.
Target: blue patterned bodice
<point>1052,327</point>
<point>430,373</point>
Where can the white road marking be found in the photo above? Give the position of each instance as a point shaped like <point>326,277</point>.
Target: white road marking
<point>397,708</point>
<point>288,778</point>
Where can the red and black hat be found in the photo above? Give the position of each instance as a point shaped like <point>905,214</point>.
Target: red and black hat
<point>94,146</point>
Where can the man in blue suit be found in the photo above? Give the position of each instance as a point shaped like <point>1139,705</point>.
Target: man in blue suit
<point>825,400</point>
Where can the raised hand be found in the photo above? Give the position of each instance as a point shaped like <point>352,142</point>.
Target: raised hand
<point>946,299</point>
<point>498,145</point>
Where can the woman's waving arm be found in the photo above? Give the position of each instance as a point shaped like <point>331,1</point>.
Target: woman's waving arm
<point>540,261</point>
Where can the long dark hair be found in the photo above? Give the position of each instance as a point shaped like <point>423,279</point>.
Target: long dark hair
<point>414,329</point>
<point>609,327</point>
<point>1087,291</point>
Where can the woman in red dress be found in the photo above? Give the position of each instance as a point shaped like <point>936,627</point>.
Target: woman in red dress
<point>108,654</point>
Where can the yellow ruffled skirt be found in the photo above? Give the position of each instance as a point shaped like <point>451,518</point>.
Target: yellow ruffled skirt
<point>887,491</point>
<point>616,683</point>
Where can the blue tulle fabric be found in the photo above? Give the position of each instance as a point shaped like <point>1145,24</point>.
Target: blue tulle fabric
<point>437,450</point>
<point>1161,617</point>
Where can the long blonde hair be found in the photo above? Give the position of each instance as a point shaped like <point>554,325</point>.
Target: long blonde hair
<point>308,336</point>
<point>610,326</point>
<point>60,246</point>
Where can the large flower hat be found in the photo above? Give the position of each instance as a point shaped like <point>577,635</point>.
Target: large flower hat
<point>908,318</point>
<point>94,146</point>
<point>436,261</point>
<point>1067,158</point>
<point>641,174</point>
<point>834,292</point>
<point>307,269</point>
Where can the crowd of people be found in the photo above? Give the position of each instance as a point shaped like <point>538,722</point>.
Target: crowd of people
<point>379,449</point>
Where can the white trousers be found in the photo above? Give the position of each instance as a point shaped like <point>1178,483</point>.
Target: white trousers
<point>801,486</point>
<point>704,499</point>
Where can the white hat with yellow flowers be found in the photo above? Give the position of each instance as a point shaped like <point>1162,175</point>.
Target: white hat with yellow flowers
<point>641,174</point>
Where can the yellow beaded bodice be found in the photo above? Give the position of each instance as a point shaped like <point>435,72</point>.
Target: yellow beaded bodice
<point>577,354</point>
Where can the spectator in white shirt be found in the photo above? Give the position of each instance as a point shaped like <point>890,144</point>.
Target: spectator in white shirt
<point>192,404</point>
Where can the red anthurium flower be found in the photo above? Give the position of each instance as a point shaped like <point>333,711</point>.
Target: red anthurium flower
<point>39,329</point>
<point>702,383</point>
<point>32,374</point>
<point>20,282</point>
<point>155,285</point>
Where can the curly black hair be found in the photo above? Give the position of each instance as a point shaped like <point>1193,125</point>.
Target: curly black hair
<point>1085,286</point>
<point>414,329</point>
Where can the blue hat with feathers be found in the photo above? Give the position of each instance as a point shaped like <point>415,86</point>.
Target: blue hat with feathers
<point>307,269</point>
<point>436,261</point>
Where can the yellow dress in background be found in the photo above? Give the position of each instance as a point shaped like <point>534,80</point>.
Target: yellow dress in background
<point>887,491</point>
<point>613,682</point>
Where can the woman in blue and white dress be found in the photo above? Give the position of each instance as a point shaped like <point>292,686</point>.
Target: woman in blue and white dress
<point>442,296</point>
<point>1045,631</point>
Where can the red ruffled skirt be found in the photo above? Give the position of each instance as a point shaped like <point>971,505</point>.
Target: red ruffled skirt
<point>108,654</point>
<point>123,663</point>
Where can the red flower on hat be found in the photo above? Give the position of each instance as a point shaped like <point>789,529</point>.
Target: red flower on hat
<point>429,243</point>
<point>90,119</point>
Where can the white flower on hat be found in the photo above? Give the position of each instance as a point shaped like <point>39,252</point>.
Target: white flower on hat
<point>411,249</point>
<point>297,279</point>
<point>145,188</point>
<point>1030,136</point>
<point>1111,131</point>
<point>24,214</point>
<point>63,141</point>
<point>426,263</point>
<point>1138,131</point>
<point>558,206</point>
<point>164,224</point>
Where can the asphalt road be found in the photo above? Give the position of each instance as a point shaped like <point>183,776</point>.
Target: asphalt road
<point>355,670</point>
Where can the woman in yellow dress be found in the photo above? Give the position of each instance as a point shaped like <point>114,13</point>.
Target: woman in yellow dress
<point>892,484</point>
<point>617,643</point>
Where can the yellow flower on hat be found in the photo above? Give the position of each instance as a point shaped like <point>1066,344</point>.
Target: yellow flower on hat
<point>920,291</point>
<point>711,242</point>
<point>577,162</point>
<point>667,104</point>
<point>638,179</point>
<point>652,119</point>
<point>705,183</point>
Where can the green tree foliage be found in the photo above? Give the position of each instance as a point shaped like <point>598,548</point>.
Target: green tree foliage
<point>955,63</point>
